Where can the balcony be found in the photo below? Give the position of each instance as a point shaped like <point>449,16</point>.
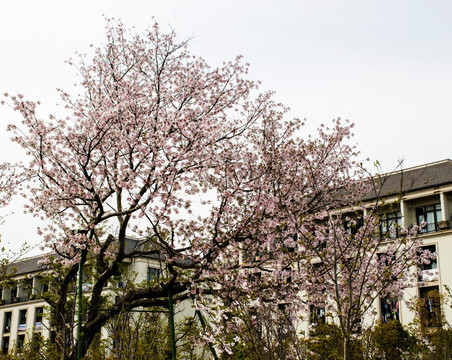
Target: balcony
<point>18,299</point>
<point>429,275</point>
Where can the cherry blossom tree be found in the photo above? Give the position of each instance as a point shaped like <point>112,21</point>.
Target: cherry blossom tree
<point>353,256</point>
<point>160,146</point>
<point>335,251</point>
<point>12,176</point>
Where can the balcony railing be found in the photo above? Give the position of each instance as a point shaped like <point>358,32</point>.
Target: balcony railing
<point>429,275</point>
<point>18,299</point>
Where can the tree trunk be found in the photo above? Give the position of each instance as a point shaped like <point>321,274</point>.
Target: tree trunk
<point>347,348</point>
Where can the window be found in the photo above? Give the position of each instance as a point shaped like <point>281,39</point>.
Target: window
<point>5,345</point>
<point>352,226</point>
<point>389,309</point>
<point>320,245</point>
<point>254,278</point>
<point>251,255</point>
<point>44,288</point>
<point>39,312</point>
<point>286,277</point>
<point>23,316</point>
<point>390,224</point>
<point>290,245</point>
<point>433,264</point>
<point>22,320</point>
<point>53,337</point>
<point>318,315</point>
<point>37,340</point>
<point>428,267</point>
<point>153,274</point>
<point>386,267</point>
<point>357,326</point>
<point>14,295</point>
<point>317,277</point>
<point>430,306</point>
<point>20,341</point>
<point>386,259</point>
<point>318,269</point>
<point>319,238</point>
<point>27,288</point>
<point>256,321</point>
<point>7,322</point>
<point>430,216</point>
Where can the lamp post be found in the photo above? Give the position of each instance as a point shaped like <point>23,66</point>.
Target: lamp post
<point>79,311</point>
<point>171,324</point>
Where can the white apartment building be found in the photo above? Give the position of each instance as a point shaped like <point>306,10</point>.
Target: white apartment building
<point>427,197</point>
<point>23,311</point>
<point>422,195</point>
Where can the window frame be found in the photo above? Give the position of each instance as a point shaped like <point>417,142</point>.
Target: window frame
<point>153,274</point>
<point>432,266</point>
<point>317,315</point>
<point>20,342</point>
<point>39,314</point>
<point>422,214</point>
<point>430,311</point>
<point>22,316</point>
<point>393,307</point>
<point>7,320</point>
<point>391,224</point>
<point>5,345</point>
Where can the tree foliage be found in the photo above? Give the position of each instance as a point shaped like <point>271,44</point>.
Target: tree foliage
<point>160,146</point>
<point>154,132</point>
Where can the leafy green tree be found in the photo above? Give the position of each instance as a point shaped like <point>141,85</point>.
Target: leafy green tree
<point>430,327</point>
<point>392,340</point>
<point>146,336</point>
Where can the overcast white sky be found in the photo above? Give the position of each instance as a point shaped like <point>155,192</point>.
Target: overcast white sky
<point>385,65</point>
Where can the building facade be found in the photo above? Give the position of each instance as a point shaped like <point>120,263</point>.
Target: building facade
<point>420,196</point>
<point>24,313</point>
<point>423,195</point>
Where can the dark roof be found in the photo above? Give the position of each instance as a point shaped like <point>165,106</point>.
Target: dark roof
<point>413,179</point>
<point>30,265</point>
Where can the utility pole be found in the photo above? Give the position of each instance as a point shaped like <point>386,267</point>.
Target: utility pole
<point>79,311</point>
<point>171,324</point>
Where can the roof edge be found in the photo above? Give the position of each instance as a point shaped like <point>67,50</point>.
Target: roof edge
<point>417,167</point>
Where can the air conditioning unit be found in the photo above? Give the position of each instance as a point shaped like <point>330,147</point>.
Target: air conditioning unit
<point>442,225</point>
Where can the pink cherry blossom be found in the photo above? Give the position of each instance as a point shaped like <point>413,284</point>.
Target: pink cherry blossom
<point>232,197</point>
